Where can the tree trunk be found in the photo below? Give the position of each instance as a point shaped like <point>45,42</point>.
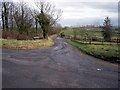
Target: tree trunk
<point>6,21</point>
<point>6,16</point>
<point>12,23</point>
<point>36,22</point>
<point>3,21</point>
<point>44,34</point>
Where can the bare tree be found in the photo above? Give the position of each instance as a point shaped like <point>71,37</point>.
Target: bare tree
<point>55,29</point>
<point>3,19</point>
<point>47,16</point>
<point>34,14</point>
<point>5,14</point>
<point>22,17</point>
<point>11,13</point>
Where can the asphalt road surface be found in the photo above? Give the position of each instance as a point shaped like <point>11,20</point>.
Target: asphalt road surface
<point>62,66</point>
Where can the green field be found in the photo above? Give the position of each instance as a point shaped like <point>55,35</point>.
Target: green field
<point>106,52</point>
<point>92,32</point>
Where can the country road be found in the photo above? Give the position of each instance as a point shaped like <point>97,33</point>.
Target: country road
<point>62,66</point>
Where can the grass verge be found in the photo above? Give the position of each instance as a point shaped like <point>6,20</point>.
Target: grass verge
<point>105,52</point>
<point>27,44</point>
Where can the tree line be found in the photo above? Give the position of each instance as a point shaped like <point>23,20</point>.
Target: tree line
<point>42,15</point>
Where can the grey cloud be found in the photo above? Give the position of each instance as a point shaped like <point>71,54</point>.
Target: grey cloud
<point>110,6</point>
<point>87,21</point>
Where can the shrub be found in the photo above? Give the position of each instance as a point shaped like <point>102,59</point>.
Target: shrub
<point>8,35</point>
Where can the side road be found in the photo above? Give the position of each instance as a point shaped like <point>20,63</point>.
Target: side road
<point>61,66</point>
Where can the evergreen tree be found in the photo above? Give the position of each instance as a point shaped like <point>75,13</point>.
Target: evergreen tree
<point>107,33</point>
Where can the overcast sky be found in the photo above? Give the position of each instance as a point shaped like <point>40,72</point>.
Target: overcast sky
<point>84,12</point>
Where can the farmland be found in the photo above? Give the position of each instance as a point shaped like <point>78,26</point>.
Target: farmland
<point>91,41</point>
<point>92,32</point>
<point>105,52</point>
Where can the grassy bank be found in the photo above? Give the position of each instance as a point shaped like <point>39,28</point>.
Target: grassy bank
<point>106,52</point>
<point>27,44</point>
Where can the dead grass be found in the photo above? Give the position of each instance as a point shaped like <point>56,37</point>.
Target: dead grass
<point>27,44</point>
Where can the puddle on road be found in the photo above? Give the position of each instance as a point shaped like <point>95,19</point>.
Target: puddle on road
<point>56,48</point>
<point>65,43</point>
<point>58,38</point>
